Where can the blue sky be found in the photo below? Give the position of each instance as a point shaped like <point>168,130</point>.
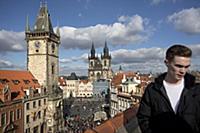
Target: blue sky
<point>137,31</point>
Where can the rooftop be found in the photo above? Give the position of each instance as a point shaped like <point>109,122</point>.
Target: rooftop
<point>124,122</point>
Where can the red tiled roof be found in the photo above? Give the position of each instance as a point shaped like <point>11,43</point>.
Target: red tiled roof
<point>62,81</point>
<point>18,81</point>
<point>112,125</point>
<point>117,79</point>
<point>84,81</point>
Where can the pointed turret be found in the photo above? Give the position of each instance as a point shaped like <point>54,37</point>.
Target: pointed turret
<point>106,52</point>
<point>92,51</point>
<point>58,31</point>
<point>120,69</point>
<point>27,29</point>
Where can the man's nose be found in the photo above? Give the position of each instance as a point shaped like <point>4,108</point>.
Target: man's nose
<point>183,70</point>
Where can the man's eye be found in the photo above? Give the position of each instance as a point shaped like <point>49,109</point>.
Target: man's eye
<point>181,66</point>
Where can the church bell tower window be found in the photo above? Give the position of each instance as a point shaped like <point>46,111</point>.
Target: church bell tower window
<point>52,69</point>
<point>105,63</point>
<point>53,48</point>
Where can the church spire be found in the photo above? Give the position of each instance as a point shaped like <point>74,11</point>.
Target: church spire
<point>105,50</point>
<point>92,51</point>
<point>43,21</point>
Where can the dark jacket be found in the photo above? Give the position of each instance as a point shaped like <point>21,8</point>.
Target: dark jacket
<point>155,114</point>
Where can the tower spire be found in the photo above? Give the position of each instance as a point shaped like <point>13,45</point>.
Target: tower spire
<point>105,50</point>
<point>92,51</point>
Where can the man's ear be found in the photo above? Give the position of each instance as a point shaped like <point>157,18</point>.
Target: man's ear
<point>166,62</point>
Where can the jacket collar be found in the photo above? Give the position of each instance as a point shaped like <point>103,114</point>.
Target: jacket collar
<point>188,78</point>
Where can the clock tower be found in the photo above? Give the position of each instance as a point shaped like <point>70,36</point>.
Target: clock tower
<point>42,50</point>
<point>42,61</point>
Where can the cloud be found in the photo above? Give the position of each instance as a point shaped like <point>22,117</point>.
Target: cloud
<point>72,59</point>
<point>187,20</point>
<point>6,64</point>
<point>144,60</point>
<point>12,41</point>
<point>127,30</point>
<point>156,2</point>
<point>137,56</point>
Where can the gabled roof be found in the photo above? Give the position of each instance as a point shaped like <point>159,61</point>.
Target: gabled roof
<point>17,81</point>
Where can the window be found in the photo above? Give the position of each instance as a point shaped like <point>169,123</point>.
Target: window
<point>27,106</point>
<point>35,81</point>
<point>26,81</point>
<point>39,103</point>
<point>28,130</point>
<point>11,116</point>
<point>35,129</point>
<point>3,119</point>
<point>18,113</point>
<point>105,63</point>
<point>39,114</point>
<point>4,81</point>
<point>34,104</point>
<point>91,63</point>
<point>16,82</point>
<point>53,47</point>
<point>27,118</point>
<point>44,101</point>
<point>44,112</point>
<point>52,69</point>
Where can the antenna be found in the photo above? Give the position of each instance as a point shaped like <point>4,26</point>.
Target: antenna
<point>43,3</point>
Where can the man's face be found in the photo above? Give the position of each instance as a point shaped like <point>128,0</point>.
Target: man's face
<point>177,67</point>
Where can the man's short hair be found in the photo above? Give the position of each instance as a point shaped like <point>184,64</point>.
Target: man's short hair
<point>178,50</point>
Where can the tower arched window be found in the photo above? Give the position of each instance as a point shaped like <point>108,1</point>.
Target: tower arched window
<point>105,63</point>
<point>53,48</point>
<point>52,69</point>
<point>91,63</point>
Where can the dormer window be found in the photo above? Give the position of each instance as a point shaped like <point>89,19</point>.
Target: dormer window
<point>26,81</point>
<point>16,82</point>
<point>4,81</point>
<point>35,81</point>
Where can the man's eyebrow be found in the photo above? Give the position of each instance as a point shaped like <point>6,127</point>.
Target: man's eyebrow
<point>181,66</point>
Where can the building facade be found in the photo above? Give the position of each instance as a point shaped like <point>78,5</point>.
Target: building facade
<point>11,108</point>
<point>85,89</point>
<point>42,61</point>
<point>35,106</point>
<point>24,101</point>
<point>99,68</point>
<point>126,90</point>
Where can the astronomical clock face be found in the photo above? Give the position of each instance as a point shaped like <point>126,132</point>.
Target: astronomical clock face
<point>37,44</point>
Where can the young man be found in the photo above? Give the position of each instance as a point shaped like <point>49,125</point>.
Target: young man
<point>169,104</point>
